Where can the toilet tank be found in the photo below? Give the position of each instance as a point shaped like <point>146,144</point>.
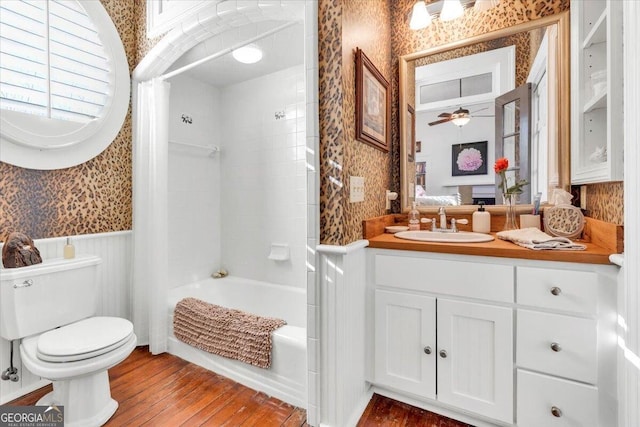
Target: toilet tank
<point>44,296</point>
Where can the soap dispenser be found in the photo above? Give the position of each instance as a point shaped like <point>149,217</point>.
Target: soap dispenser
<point>481,220</point>
<point>68,251</point>
<point>414,218</point>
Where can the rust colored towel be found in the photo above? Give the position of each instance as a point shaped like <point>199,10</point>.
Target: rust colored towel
<point>225,331</point>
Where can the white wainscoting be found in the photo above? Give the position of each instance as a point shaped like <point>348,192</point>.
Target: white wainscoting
<point>629,307</point>
<point>114,298</point>
<point>337,381</point>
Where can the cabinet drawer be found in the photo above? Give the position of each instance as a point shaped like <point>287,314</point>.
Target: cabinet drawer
<point>557,289</point>
<point>560,345</point>
<point>548,401</point>
<point>485,281</point>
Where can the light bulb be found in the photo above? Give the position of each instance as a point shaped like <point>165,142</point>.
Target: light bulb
<point>482,5</point>
<point>461,121</point>
<point>420,17</point>
<point>249,54</point>
<point>451,9</point>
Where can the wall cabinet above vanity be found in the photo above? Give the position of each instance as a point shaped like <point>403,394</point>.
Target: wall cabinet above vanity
<point>596,91</point>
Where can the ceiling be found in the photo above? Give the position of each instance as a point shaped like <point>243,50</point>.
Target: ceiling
<point>281,50</point>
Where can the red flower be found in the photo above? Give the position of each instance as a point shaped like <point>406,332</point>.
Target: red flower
<point>501,165</point>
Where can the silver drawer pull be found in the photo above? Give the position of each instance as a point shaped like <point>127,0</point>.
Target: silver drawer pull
<point>555,347</point>
<point>427,350</point>
<point>24,284</point>
<point>556,291</point>
<point>443,354</point>
<point>556,412</point>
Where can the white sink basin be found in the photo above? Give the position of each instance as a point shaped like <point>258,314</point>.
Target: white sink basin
<point>439,236</point>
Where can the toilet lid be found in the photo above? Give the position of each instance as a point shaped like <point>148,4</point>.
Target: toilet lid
<point>84,339</point>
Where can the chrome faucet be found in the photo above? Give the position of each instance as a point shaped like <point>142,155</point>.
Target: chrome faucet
<point>443,218</point>
<point>443,222</point>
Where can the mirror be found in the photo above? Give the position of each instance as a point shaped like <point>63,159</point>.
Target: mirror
<point>447,159</point>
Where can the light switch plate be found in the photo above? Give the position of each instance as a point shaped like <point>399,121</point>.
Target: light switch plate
<point>356,189</point>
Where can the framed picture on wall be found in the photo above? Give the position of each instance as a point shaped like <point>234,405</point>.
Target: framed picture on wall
<point>418,146</point>
<point>411,134</point>
<point>469,159</point>
<point>373,104</point>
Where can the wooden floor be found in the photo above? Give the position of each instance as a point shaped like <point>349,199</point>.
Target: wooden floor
<point>165,390</point>
<point>383,411</point>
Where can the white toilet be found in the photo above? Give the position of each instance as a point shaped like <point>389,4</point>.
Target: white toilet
<point>50,307</point>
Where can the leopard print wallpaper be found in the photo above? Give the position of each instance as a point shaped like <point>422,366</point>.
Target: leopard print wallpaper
<point>345,25</point>
<point>93,197</point>
<point>606,202</point>
<point>361,30</point>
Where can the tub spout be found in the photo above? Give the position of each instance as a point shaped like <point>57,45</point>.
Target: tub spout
<point>220,274</point>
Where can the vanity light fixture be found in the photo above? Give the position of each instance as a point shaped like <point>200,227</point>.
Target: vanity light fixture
<point>422,13</point>
<point>249,54</point>
<point>451,10</point>
<point>482,5</point>
<point>420,17</point>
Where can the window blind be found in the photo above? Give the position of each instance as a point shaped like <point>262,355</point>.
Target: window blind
<point>52,62</point>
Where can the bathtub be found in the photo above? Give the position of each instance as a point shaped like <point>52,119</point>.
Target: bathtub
<point>287,377</point>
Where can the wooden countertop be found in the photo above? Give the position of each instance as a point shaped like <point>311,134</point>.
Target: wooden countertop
<point>594,254</point>
<point>601,238</point>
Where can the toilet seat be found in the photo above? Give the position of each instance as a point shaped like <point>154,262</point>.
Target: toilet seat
<point>83,340</point>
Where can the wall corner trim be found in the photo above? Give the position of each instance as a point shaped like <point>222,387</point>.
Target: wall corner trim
<point>342,250</point>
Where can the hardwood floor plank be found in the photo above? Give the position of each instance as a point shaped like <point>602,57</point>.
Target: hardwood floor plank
<point>169,397</point>
<point>298,418</point>
<point>200,417</point>
<point>165,390</point>
<point>207,394</point>
<point>272,413</point>
<point>222,416</point>
<point>204,400</point>
<point>248,408</point>
<point>386,412</point>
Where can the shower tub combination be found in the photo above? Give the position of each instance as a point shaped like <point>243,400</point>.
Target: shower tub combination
<point>287,377</point>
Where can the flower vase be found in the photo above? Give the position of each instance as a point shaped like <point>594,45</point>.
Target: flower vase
<point>510,222</point>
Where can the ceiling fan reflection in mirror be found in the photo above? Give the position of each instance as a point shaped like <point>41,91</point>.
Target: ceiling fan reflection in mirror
<point>460,117</point>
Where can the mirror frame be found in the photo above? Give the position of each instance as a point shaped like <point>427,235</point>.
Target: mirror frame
<point>563,131</point>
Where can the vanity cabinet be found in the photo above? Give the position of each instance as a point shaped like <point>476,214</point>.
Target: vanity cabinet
<point>455,351</point>
<point>469,364</point>
<point>596,91</point>
<point>515,342</point>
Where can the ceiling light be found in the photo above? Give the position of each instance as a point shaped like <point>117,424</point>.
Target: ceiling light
<point>460,117</point>
<point>452,9</point>
<point>420,17</point>
<point>482,5</point>
<point>461,121</point>
<point>249,54</point>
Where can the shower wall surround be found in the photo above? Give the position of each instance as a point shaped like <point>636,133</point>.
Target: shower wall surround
<point>193,181</point>
<point>264,176</point>
<point>93,197</point>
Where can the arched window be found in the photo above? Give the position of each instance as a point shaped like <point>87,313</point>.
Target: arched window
<point>64,82</point>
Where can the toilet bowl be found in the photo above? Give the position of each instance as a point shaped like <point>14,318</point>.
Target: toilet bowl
<point>51,308</point>
<point>76,358</point>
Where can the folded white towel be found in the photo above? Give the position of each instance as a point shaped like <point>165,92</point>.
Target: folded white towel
<point>533,238</point>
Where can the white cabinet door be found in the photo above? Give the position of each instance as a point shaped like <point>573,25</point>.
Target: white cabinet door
<point>405,342</point>
<point>475,358</point>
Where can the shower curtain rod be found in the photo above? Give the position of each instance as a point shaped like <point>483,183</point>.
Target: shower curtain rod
<point>224,51</point>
